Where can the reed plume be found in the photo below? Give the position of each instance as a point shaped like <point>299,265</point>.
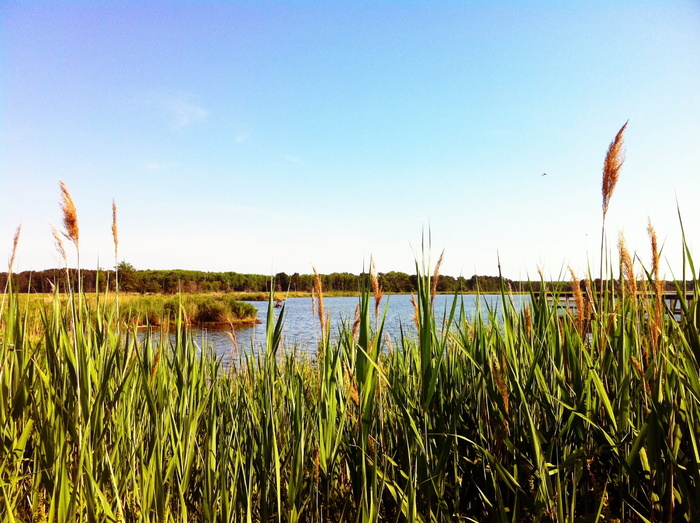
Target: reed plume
<point>416,316</point>
<point>15,241</point>
<point>70,216</point>
<point>436,276</point>
<point>356,323</point>
<point>627,268</point>
<point>587,304</point>
<point>376,289</point>
<point>59,244</point>
<point>578,299</point>
<point>115,231</point>
<point>614,159</point>
<point>499,372</point>
<point>115,237</point>
<point>154,366</point>
<point>657,316</point>
<point>318,288</point>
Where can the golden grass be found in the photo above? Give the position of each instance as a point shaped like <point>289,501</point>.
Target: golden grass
<point>376,289</point>
<point>578,299</point>
<point>436,276</point>
<point>115,230</point>
<point>318,289</point>
<point>614,159</point>
<point>627,268</point>
<point>657,316</point>
<point>70,216</point>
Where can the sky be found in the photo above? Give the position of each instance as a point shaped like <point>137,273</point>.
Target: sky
<point>265,137</point>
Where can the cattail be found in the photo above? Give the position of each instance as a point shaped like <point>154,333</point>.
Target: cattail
<point>15,241</point>
<point>578,299</point>
<point>436,276</point>
<point>70,216</point>
<point>611,167</point>
<point>627,268</point>
<point>319,293</point>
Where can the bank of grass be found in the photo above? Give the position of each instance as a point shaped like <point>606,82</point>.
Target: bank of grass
<point>149,309</point>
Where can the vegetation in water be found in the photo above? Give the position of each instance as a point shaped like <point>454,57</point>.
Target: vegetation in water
<point>587,413</point>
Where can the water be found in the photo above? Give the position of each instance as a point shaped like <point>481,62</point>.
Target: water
<point>301,325</point>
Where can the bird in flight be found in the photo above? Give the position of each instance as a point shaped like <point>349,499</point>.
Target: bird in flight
<point>544,174</point>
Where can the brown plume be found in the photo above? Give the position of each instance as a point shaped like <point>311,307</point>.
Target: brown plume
<point>115,229</point>
<point>70,216</point>
<point>611,167</point>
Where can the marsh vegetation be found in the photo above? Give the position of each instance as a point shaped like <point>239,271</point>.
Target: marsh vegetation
<point>543,413</point>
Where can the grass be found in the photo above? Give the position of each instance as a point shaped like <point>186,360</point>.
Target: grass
<point>141,310</point>
<point>533,418</point>
<point>586,414</point>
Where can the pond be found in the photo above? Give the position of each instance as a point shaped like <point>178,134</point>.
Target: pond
<point>301,325</point>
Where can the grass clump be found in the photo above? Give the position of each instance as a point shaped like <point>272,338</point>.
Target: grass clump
<point>196,309</point>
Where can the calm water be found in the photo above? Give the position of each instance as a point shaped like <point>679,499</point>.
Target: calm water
<point>301,326</point>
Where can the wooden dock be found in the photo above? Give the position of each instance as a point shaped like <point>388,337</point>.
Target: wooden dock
<point>672,299</point>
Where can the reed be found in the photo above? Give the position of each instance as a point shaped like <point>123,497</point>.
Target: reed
<point>612,165</point>
<point>519,416</point>
<point>510,415</point>
<point>115,240</point>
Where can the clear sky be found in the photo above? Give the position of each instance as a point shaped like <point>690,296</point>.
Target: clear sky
<point>263,137</point>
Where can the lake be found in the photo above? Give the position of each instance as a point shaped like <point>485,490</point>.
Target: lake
<point>301,326</point>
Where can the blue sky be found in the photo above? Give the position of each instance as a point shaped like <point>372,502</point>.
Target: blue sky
<point>269,136</point>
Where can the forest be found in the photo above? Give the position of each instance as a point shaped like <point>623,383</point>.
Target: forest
<point>189,281</point>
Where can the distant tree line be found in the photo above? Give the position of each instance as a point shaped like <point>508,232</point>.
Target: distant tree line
<point>174,281</point>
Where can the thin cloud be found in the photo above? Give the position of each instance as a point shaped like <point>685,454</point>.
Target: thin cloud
<point>185,112</point>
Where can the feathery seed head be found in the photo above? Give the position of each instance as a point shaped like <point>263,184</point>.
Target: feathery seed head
<point>318,288</point>
<point>436,276</point>
<point>15,241</point>
<point>70,216</point>
<point>611,167</point>
<point>59,243</point>
<point>627,267</point>
<point>416,316</point>
<point>376,289</point>
<point>578,299</point>
<point>115,229</point>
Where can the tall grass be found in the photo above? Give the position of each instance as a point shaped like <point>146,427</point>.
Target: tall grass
<point>536,414</point>
<point>528,418</point>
